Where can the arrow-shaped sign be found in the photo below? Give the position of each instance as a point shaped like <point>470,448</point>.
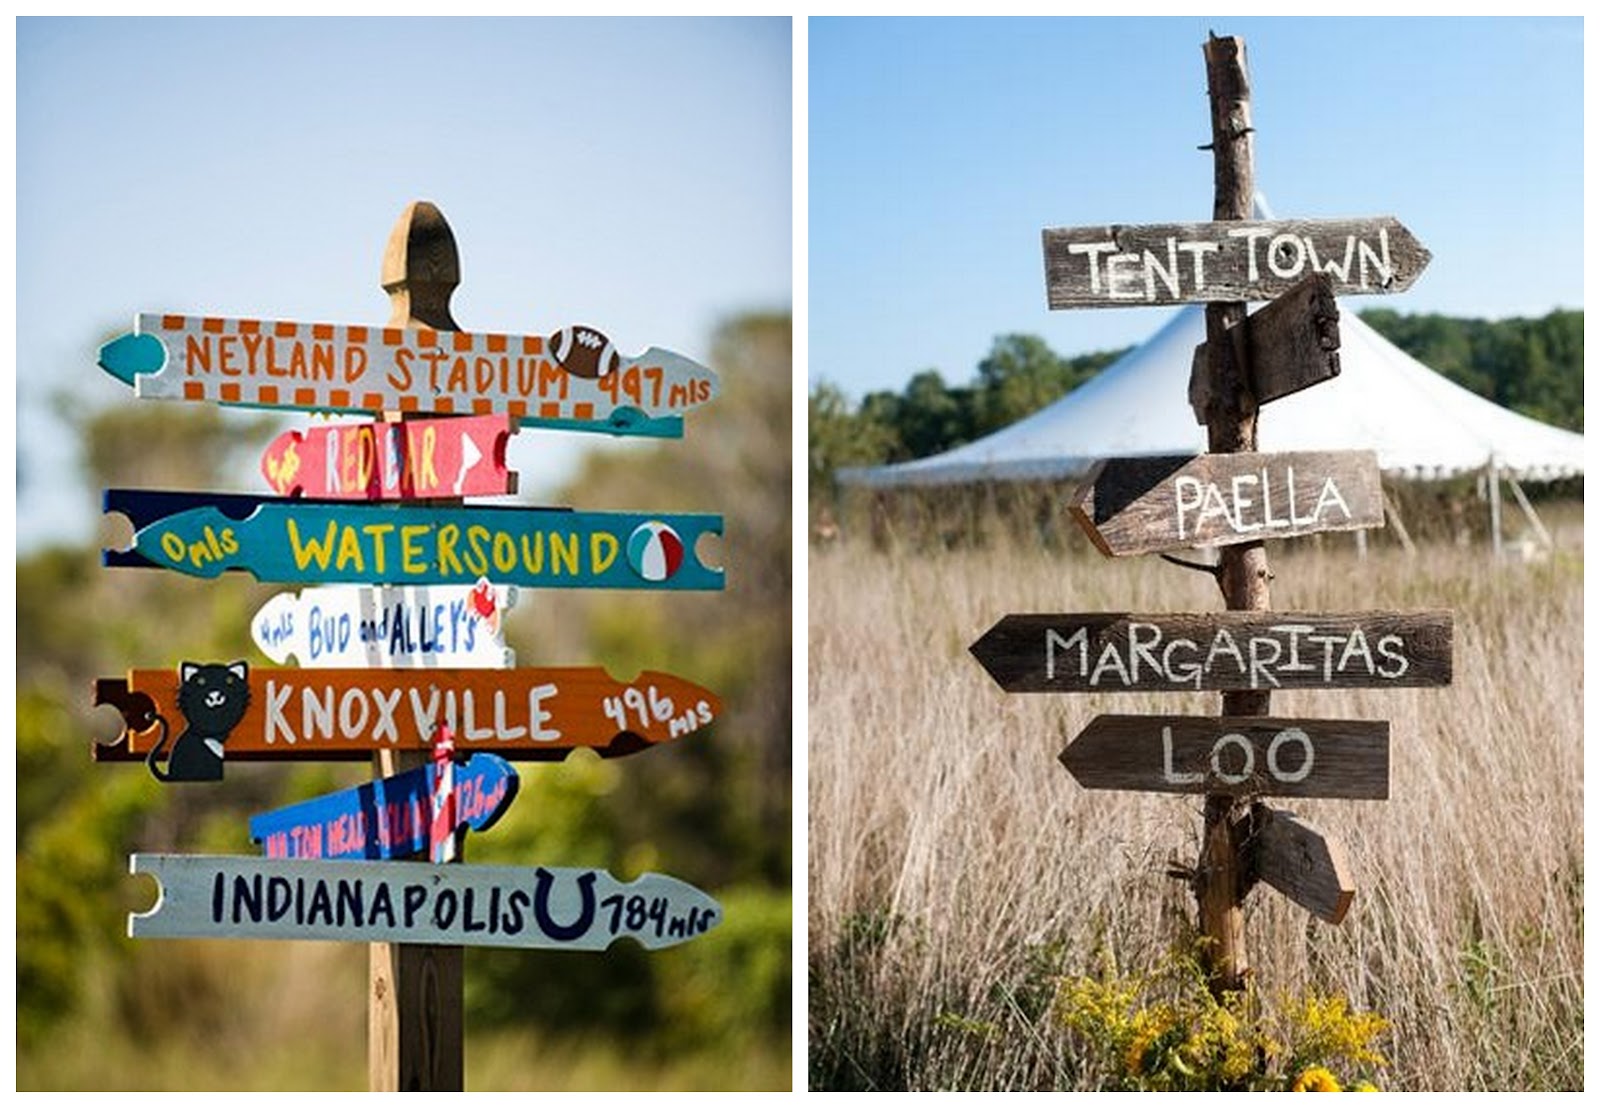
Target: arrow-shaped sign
<point>412,460</point>
<point>219,897</point>
<point>1289,345</point>
<point>1143,505</point>
<point>1240,756</point>
<point>571,380</point>
<point>1182,263</point>
<point>387,818</point>
<point>1220,651</point>
<point>328,541</point>
<point>387,626</point>
<point>1302,863</point>
<point>205,713</point>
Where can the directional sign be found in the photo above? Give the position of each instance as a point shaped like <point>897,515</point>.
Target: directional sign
<point>1240,756</point>
<point>1141,505</point>
<point>1289,345</point>
<point>415,459</point>
<point>346,714</point>
<point>1120,652</point>
<point>1301,863</point>
<point>571,380</point>
<point>1181,263</point>
<point>387,818</point>
<point>219,897</point>
<point>330,541</point>
<point>387,626</point>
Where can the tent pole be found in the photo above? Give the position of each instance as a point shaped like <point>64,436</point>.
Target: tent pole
<point>1392,515</point>
<point>1494,504</point>
<point>1533,516</point>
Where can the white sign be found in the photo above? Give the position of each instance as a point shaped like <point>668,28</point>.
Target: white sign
<point>388,626</point>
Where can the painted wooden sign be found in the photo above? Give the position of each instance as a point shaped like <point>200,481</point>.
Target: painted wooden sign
<point>219,897</point>
<point>387,818</point>
<point>1183,263</point>
<point>388,626</point>
<point>571,380</point>
<point>1289,345</point>
<point>410,460</point>
<point>195,719</point>
<point>1300,862</point>
<point>327,541</point>
<point>1142,505</point>
<point>1239,756</point>
<point>1219,651</point>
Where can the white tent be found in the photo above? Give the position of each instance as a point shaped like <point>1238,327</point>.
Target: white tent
<point>1420,424</point>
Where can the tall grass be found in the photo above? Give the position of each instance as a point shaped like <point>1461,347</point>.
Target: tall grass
<point>956,870</point>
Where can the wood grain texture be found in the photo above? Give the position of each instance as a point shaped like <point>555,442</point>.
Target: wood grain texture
<point>1301,863</point>
<point>1290,344</point>
<point>1219,651</point>
<point>1239,756</point>
<point>1143,505</point>
<point>1121,265</point>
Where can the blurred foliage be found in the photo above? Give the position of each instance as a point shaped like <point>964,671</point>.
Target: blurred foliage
<point>712,809</point>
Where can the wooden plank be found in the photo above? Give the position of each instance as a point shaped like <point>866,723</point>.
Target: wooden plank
<point>1185,263</point>
<point>1239,756</point>
<point>1142,505</point>
<point>387,818</point>
<point>1289,345</point>
<point>1220,651</point>
<point>1302,863</point>
<point>417,459</point>
<point>296,540</point>
<point>388,626</point>
<point>571,379</point>
<point>219,897</point>
<point>203,714</point>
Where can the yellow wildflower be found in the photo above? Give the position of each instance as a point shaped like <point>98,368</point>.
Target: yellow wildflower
<point>1315,1079</point>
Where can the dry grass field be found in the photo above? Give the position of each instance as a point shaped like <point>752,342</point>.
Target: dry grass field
<point>957,872</point>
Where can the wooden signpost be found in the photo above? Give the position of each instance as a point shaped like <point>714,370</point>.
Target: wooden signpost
<point>415,460</point>
<point>387,818</point>
<point>1143,505</point>
<point>219,897</point>
<point>529,714</point>
<point>388,626</point>
<point>296,539</point>
<point>337,368</point>
<point>1233,498</point>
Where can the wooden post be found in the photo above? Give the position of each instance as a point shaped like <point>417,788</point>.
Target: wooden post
<point>414,1018</point>
<point>1221,881</point>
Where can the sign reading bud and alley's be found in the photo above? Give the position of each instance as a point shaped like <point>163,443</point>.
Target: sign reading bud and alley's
<point>1183,263</point>
<point>219,897</point>
<point>1217,651</point>
<point>201,716</point>
<point>299,540</point>
<point>387,626</point>
<point>572,379</point>
<point>1143,505</point>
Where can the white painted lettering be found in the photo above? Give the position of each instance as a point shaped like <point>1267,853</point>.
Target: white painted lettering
<point>1291,734</point>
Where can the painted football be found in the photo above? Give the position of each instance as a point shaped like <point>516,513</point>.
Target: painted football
<point>584,352</point>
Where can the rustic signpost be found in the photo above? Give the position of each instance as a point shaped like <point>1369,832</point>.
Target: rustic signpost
<point>1233,498</point>
<point>403,660</point>
<point>1143,505</point>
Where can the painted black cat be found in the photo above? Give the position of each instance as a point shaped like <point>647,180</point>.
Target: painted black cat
<point>213,699</point>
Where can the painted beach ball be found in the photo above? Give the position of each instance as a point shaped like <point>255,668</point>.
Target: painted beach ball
<point>655,551</point>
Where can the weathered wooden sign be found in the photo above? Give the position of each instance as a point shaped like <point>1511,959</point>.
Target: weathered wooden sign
<point>219,897</point>
<point>411,460</point>
<point>388,626</point>
<point>387,818</point>
<point>1142,505</point>
<point>1221,651</point>
<point>213,712</point>
<point>1238,756</point>
<point>1301,863</point>
<point>1182,263</point>
<point>1289,345</point>
<point>571,380</point>
<point>296,540</point>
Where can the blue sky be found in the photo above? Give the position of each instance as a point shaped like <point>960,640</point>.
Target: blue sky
<point>939,150</point>
<point>635,175</point>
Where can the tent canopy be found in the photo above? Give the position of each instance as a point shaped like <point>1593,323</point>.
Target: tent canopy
<point>1420,424</point>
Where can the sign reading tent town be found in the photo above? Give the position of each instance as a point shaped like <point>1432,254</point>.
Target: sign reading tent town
<point>1185,263</point>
